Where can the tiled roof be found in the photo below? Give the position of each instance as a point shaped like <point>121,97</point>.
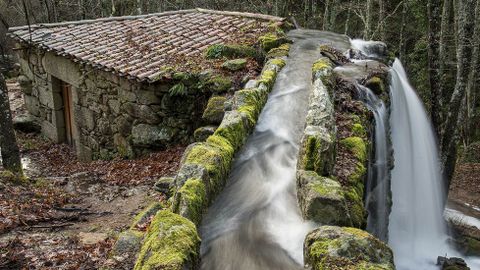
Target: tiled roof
<point>137,47</point>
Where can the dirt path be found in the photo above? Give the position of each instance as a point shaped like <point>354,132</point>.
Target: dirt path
<point>69,212</point>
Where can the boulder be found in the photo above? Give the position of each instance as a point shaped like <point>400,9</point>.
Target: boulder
<point>235,64</point>
<point>321,199</point>
<point>215,110</point>
<point>26,123</point>
<point>331,247</point>
<point>452,263</point>
<point>171,242</point>
<point>202,133</point>
<point>376,84</point>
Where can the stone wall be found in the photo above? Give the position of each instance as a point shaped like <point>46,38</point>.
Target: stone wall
<point>112,115</point>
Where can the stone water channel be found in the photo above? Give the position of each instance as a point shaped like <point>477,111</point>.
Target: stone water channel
<point>255,223</point>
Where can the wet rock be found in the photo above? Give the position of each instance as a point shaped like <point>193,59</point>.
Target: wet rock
<point>330,247</point>
<point>452,263</point>
<point>91,238</point>
<point>376,84</point>
<point>215,110</point>
<point>202,133</point>
<point>321,199</point>
<point>235,64</point>
<point>26,123</point>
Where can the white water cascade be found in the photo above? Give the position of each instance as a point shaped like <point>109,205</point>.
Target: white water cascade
<point>417,230</point>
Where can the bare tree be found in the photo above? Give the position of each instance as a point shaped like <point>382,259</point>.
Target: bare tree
<point>8,143</point>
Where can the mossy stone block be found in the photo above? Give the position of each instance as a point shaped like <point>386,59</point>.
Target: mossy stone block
<point>331,247</point>
<point>171,242</point>
<point>202,133</point>
<point>376,84</point>
<point>321,199</point>
<point>272,40</point>
<point>234,128</point>
<point>191,200</point>
<point>317,151</point>
<point>215,110</point>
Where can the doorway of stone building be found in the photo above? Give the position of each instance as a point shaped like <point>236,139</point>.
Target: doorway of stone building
<point>67,111</point>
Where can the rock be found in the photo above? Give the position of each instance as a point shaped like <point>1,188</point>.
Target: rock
<point>272,40</point>
<point>375,84</point>
<point>234,65</point>
<point>281,51</point>
<point>145,215</point>
<point>191,200</point>
<point>331,247</point>
<point>202,133</point>
<point>147,135</point>
<point>171,242</point>
<point>215,110</point>
<point>164,185</point>
<point>91,238</point>
<point>321,199</point>
<point>25,83</point>
<point>317,150</point>
<point>218,84</point>
<point>234,128</point>
<point>452,263</point>
<point>26,123</point>
<point>128,242</point>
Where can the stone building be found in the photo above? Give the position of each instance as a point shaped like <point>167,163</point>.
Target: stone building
<point>121,85</point>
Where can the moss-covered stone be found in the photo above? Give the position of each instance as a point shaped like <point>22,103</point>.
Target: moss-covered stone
<point>250,102</point>
<point>321,199</point>
<point>282,51</point>
<point>145,214</point>
<point>234,128</point>
<point>272,40</point>
<point>330,247</point>
<point>317,151</point>
<point>165,185</point>
<point>357,147</point>
<point>128,242</point>
<point>215,110</point>
<point>358,130</point>
<point>171,243</point>
<point>230,50</point>
<point>235,64</point>
<point>215,159</point>
<point>218,84</point>
<point>376,84</point>
<point>191,200</point>
<point>323,69</point>
<point>202,133</point>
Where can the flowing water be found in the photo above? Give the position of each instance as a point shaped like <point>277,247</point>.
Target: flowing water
<point>255,223</point>
<point>378,187</point>
<point>417,230</point>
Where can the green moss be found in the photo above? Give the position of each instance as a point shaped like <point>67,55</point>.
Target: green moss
<point>355,207</point>
<point>193,200</point>
<point>16,178</point>
<point>215,109</point>
<point>272,40</point>
<point>357,146</point>
<point>278,62</point>
<point>376,85</point>
<point>233,130</point>
<point>268,78</point>
<point>222,143</point>
<point>281,51</point>
<point>230,50</point>
<point>171,243</point>
<point>250,102</point>
<point>214,159</point>
<point>358,130</point>
<point>321,64</point>
<point>219,84</point>
<point>311,158</point>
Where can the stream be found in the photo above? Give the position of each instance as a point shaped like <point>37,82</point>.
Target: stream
<point>255,223</point>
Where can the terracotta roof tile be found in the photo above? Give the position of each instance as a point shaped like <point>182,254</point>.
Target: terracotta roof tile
<point>140,46</point>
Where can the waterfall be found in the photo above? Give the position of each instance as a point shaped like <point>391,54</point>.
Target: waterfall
<point>378,186</point>
<point>417,230</point>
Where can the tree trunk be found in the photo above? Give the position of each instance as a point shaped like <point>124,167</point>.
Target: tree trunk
<point>333,15</point>
<point>381,20</point>
<point>433,7</point>
<point>367,33</point>
<point>8,142</point>
<point>466,18</point>
<point>403,40</point>
<point>326,16</point>
<point>347,21</point>
<point>445,40</point>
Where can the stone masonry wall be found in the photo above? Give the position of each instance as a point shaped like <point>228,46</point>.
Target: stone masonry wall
<point>112,115</point>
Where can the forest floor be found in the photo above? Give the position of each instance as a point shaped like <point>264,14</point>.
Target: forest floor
<point>69,213</point>
<point>465,187</point>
